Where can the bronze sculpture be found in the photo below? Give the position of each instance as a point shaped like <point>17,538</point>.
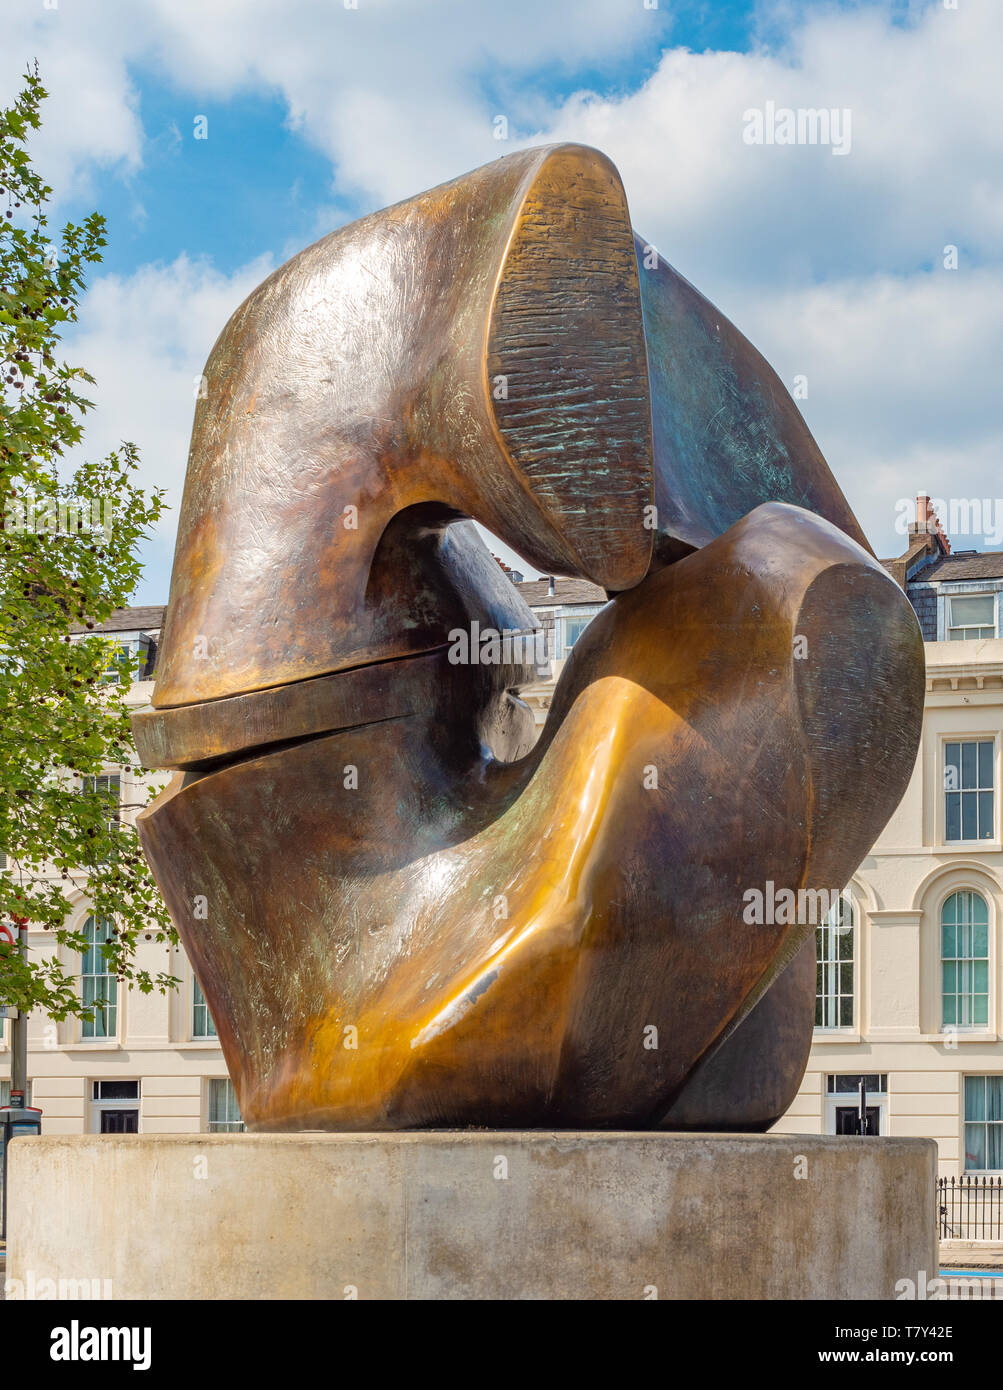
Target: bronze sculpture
<point>402,911</point>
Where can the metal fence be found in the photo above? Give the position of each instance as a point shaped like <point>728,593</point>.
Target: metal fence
<point>970,1208</point>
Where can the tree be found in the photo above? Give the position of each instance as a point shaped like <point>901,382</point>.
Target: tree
<point>68,558</point>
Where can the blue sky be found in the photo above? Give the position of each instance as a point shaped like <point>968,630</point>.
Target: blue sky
<point>317,114</point>
<point>256,184</point>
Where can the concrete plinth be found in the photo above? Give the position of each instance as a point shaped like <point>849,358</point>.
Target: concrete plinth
<point>451,1215</point>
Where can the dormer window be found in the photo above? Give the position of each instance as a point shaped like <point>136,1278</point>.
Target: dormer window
<point>971,616</point>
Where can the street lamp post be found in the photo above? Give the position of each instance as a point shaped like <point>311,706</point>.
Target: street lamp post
<point>19,1030</point>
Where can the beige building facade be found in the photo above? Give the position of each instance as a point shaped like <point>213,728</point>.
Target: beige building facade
<point>911,981</point>
<point>910,972</point>
<point>149,1063</point>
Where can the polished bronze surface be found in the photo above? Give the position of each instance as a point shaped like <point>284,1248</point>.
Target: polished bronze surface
<point>402,910</point>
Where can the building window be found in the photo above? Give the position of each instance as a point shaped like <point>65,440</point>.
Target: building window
<point>984,1123</point>
<point>971,616</point>
<point>115,1107</point>
<point>224,1116</point>
<point>121,664</point>
<point>109,788</point>
<point>842,1103</point>
<point>98,988</point>
<point>573,629</point>
<point>202,1024</point>
<point>964,951</point>
<point>968,789</point>
<point>5,1093</point>
<point>127,660</point>
<point>834,943</point>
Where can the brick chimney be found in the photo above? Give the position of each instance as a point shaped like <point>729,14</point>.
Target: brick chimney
<point>927,542</point>
<point>514,575</point>
<point>927,523</point>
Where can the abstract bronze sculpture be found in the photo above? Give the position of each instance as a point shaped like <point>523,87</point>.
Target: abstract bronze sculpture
<point>404,912</point>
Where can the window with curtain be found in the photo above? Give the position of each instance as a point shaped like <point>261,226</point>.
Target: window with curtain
<point>968,789</point>
<point>964,952</point>
<point>202,1024</point>
<point>834,957</point>
<point>984,1123</point>
<point>971,616</point>
<point>224,1115</point>
<point>98,988</point>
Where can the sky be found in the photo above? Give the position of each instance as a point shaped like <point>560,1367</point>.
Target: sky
<point>834,259</point>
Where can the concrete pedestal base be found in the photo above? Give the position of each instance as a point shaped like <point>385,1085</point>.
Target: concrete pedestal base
<point>450,1215</point>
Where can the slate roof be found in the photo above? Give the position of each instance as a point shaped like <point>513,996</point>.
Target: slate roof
<point>148,619</point>
<point>954,569</point>
<point>566,592</point>
<point>946,569</point>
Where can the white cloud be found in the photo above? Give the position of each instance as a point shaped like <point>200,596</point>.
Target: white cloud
<point>91,120</point>
<point>902,377</point>
<point>927,135</point>
<point>391,91</point>
<point>395,93</point>
<point>831,265</point>
<point>145,339</point>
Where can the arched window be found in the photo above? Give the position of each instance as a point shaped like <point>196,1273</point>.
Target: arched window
<point>834,957</point>
<point>964,956</point>
<point>98,987</point>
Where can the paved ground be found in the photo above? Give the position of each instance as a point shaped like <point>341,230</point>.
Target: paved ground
<point>954,1254</point>
<point>964,1254</point>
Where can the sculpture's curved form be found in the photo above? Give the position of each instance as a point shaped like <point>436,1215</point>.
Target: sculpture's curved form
<point>402,911</point>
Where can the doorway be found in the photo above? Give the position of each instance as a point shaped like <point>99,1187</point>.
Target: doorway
<point>115,1107</point>
<point>841,1114</point>
<point>119,1121</point>
<point>848,1119</point>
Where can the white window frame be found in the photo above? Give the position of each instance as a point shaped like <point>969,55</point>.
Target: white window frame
<point>986,736</point>
<point>959,588</point>
<point>98,1105</point>
<point>134,645</point>
<point>846,902</point>
<point>838,1099</point>
<point>103,1038</point>
<point>193,1004</point>
<point>220,1126</point>
<point>950,1029</point>
<point>93,783</point>
<point>951,627</point>
<point>965,1122</point>
<point>562,616</point>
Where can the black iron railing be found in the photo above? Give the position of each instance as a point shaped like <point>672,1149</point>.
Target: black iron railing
<point>970,1208</point>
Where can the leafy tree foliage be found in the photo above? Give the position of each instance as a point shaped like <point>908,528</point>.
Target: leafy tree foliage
<point>63,723</point>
